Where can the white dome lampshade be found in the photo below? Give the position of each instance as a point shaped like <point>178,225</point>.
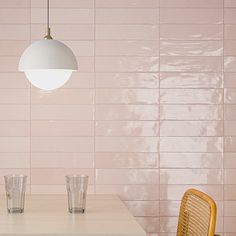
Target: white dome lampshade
<point>48,64</point>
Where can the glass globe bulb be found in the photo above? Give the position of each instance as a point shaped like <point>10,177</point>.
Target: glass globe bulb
<point>48,79</point>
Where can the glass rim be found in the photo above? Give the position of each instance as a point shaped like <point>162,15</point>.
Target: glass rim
<point>15,176</point>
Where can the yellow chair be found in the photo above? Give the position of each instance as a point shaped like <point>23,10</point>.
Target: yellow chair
<point>197,215</point>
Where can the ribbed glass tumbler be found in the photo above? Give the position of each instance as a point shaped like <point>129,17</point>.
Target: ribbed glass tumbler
<point>15,186</point>
<point>76,186</point>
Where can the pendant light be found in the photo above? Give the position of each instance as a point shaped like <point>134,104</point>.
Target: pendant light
<point>48,63</point>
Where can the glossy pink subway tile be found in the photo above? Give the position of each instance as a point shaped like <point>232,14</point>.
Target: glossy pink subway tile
<point>191,128</point>
<point>192,64</point>
<point>126,144</point>
<point>15,160</point>
<point>191,96</point>
<point>14,16</point>
<point>62,144</point>
<point>127,80</point>
<point>127,16</point>
<point>127,96</point>
<point>191,160</point>
<point>230,32</point>
<point>62,96</point>
<point>229,3</point>
<point>127,48</point>
<point>229,47</point>
<point>62,112</point>
<point>229,63</point>
<point>14,128</point>
<point>127,128</point>
<point>126,160</point>
<point>126,4</point>
<point>143,208</point>
<point>12,47</point>
<point>62,160</point>
<point>230,160</point>
<point>127,112</point>
<point>191,16</point>
<point>127,176</point>
<point>229,16</point>
<point>74,16</point>
<point>14,96</point>
<point>191,32</point>
<point>191,144</point>
<point>149,224</point>
<point>126,64</point>
<point>64,32</point>
<point>15,144</point>
<point>13,32</point>
<point>80,80</point>
<point>192,4</point>
<point>191,80</point>
<point>64,3</point>
<point>191,112</point>
<point>195,176</point>
<point>175,192</point>
<point>62,128</point>
<point>127,32</point>
<point>130,192</point>
<point>14,112</point>
<point>57,176</point>
<point>191,48</point>
<point>15,4</point>
<point>13,81</point>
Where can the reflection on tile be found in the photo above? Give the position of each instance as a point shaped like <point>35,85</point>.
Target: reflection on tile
<point>191,160</point>
<point>175,192</point>
<point>143,208</point>
<point>191,80</point>
<point>191,112</point>
<point>149,224</point>
<point>191,144</point>
<point>191,96</point>
<point>194,176</point>
<point>191,128</point>
<point>191,64</point>
<point>191,48</point>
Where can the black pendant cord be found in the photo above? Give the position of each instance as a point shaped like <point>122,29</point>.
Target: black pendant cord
<point>48,36</point>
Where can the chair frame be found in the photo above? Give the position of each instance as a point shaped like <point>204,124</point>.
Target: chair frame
<point>209,201</point>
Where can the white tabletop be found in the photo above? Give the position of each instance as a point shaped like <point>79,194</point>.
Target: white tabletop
<point>44,215</point>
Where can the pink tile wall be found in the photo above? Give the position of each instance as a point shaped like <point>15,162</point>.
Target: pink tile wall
<point>150,112</point>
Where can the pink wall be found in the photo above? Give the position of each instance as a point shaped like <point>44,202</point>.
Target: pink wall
<point>150,113</point>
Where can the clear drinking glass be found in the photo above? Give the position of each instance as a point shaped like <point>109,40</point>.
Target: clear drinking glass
<point>76,186</point>
<point>15,186</point>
